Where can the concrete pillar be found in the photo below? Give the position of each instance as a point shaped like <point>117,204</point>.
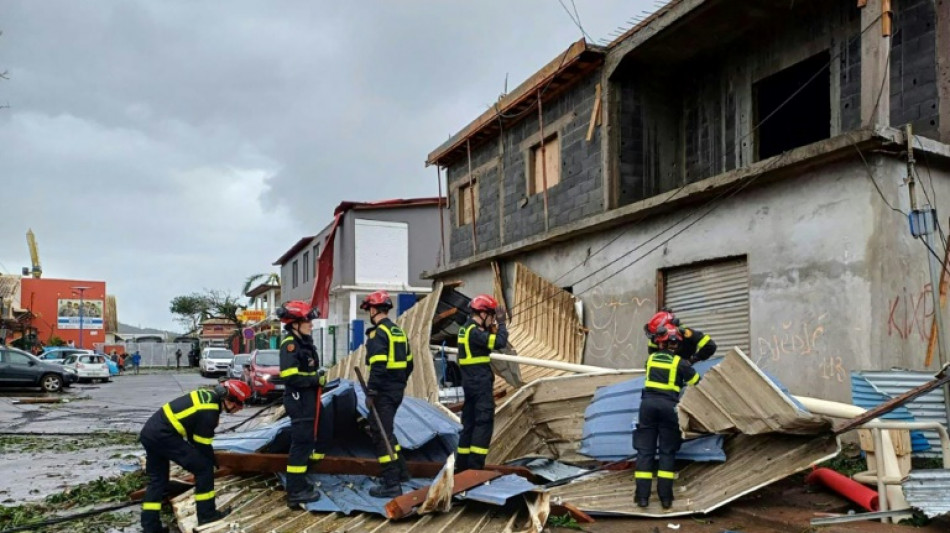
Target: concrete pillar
<point>943,68</point>
<point>875,67</point>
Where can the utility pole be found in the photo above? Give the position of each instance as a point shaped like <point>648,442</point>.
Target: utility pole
<point>923,223</point>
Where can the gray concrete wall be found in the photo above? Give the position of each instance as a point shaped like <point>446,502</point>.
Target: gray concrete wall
<point>304,289</point>
<point>826,262</point>
<point>425,241</point>
<point>507,212</point>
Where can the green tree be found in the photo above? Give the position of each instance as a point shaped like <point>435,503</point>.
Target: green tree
<point>191,309</point>
<point>224,305</point>
<point>272,279</point>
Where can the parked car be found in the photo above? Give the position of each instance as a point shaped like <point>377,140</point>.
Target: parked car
<point>88,367</point>
<point>262,373</point>
<point>58,354</point>
<point>236,368</point>
<point>214,361</point>
<point>20,369</point>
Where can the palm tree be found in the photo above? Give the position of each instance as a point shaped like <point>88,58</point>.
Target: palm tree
<point>252,281</point>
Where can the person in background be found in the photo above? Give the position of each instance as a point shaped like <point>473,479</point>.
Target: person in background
<point>136,361</point>
<point>178,359</point>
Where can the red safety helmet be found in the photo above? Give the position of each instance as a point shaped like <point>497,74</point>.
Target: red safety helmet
<point>659,320</point>
<point>484,302</point>
<point>667,334</point>
<point>296,311</point>
<point>378,299</point>
<point>236,390</point>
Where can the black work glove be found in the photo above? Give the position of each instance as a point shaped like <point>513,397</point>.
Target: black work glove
<point>501,317</point>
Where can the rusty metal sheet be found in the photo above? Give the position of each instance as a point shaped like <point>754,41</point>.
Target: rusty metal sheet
<point>417,323</point>
<point>735,396</point>
<point>544,325</point>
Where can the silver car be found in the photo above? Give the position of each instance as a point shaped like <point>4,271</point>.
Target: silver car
<point>88,367</point>
<point>236,368</point>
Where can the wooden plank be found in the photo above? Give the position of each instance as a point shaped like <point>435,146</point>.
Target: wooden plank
<point>402,506</point>
<point>594,115</point>
<point>932,343</point>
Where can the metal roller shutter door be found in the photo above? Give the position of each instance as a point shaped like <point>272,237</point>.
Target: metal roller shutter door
<point>714,298</point>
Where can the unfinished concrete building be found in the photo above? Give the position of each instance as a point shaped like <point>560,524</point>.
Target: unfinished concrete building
<point>744,163</point>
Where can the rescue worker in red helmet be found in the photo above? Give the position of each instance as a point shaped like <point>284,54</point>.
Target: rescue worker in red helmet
<point>695,346</point>
<point>658,426</point>
<point>182,431</point>
<point>300,370</point>
<point>483,333</point>
<point>389,358</point>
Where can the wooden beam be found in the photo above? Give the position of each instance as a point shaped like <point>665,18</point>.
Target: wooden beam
<point>943,302</point>
<point>939,380</point>
<point>594,114</point>
<point>402,506</point>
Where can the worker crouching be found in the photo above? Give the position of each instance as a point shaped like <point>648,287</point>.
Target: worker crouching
<point>182,431</point>
<point>658,426</point>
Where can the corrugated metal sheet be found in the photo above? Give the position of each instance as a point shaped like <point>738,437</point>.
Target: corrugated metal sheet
<point>735,396</point>
<point>548,469</point>
<point>613,412</point>
<point>420,427</point>
<point>544,325</point>
<point>546,418</point>
<point>499,490</point>
<point>350,493</point>
<point>929,491</point>
<point>926,408</point>
<point>864,395</point>
<point>417,323</point>
<point>713,297</point>
<point>259,507</point>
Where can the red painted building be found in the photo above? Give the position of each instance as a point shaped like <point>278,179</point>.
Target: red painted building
<point>55,304</point>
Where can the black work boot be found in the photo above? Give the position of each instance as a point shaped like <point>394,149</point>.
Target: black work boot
<point>666,503</point>
<point>214,515</point>
<point>385,490</point>
<point>303,497</point>
<point>643,502</point>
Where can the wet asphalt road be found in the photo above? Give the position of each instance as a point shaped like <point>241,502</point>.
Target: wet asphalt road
<point>121,405</point>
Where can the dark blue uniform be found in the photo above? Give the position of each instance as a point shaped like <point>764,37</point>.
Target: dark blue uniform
<point>478,413</point>
<point>658,426</point>
<point>389,358</point>
<point>298,367</point>
<point>181,431</point>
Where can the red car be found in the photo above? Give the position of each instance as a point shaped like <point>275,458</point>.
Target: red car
<point>262,373</point>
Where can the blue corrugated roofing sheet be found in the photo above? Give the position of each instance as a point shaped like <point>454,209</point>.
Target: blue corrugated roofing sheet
<point>609,420</point>
<point>498,490</point>
<point>350,493</point>
<point>925,408</point>
<point>548,469</point>
<point>421,429</point>
<point>612,415</point>
<point>867,396</point>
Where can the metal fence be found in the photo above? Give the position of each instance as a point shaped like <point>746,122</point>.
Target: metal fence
<point>336,342</point>
<point>154,354</point>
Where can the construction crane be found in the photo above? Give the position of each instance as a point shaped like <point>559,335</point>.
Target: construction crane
<point>37,270</point>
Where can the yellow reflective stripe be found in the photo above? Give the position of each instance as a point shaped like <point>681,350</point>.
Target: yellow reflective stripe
<point>479,451</point>
<point>693,380</point>
<point>197,405</point>
<point>651,344</point>
<point>152,506</point>
<point>665,474</point>
<point>391,362</point>
<point>167,408</point>
<point>388,458</point>
<point>289,372</point>
<point>381,358</point>
<point>464,451</point>
<point>307,373</point>
<point>204,496</point>
<point>469,359</point>
<point>287,339</point>
<point>397,448</point>
<point>491,341</point>
<point>317,456</point>
<point>203,440</point>
<point>475,360</point>
<point>296,469</point>
<point>702,342</point>
<point>670,367</point>
<point>643,475</point>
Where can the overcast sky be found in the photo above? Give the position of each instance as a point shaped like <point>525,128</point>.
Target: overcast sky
<point>174,146</point>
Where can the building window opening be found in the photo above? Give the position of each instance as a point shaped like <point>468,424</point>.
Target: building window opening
<point>294,274</point>
<point>797,120</point>
<point>465,202</point>
<point>545,165</point>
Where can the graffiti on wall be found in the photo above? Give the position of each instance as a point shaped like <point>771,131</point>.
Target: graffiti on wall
<point>910,313</point>
<point>800,341</point>
<point>616,323</point>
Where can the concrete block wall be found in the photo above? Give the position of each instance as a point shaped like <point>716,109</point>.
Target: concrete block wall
<point>913,84</point>
<point>849,73</point>
<point>507,213</point>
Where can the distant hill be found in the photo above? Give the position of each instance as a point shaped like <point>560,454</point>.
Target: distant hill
<point>129,329</point>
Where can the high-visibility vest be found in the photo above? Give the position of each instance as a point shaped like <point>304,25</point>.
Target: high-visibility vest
<point>465,353</point>
<point>670,363</point>
<point>398,357</point>
<point>201,400</point>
